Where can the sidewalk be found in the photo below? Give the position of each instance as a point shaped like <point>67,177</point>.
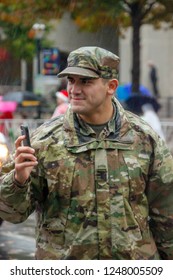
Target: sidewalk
<point>17,241</point>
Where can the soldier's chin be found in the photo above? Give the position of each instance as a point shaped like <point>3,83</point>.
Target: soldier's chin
<point>78,109</point>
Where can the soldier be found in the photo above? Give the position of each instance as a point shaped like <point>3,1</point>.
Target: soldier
<point>99,178</point>
<point>153,78</point>
<point>62,103</point>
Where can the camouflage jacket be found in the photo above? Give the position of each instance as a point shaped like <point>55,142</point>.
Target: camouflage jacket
<point>109,197</point>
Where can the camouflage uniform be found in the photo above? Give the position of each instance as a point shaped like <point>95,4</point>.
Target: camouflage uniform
<point>104,198</point>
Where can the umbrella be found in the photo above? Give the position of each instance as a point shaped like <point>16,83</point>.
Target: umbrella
<point>123,92</point>
<point>7,106</point>
<point>23,98</point>
<point>134,103</point>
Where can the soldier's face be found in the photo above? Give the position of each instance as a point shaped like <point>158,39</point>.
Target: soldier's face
<point>88,96</point>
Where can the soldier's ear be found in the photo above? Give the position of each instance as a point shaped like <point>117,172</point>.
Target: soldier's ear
<point>112,85</point>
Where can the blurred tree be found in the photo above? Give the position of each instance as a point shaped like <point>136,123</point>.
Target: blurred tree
<point>16,21</point>
<point>92,15</point>
<point>17,18</point>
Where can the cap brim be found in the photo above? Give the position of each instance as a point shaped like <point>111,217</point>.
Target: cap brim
<point>78,71</point>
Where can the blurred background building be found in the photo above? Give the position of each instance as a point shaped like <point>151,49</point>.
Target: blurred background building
<point>156,45</point>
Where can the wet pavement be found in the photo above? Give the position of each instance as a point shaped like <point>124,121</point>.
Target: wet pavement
<point>17,241</point>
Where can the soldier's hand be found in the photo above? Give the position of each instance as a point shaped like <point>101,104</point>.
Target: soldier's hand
<point>24,161</point>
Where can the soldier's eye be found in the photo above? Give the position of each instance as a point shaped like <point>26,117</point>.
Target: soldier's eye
<point>70,80</point>
<point>85,81</point>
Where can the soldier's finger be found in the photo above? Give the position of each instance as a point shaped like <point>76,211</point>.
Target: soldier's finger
<point>21,157</point>
<point>22,165</point>
<point>19,140</point>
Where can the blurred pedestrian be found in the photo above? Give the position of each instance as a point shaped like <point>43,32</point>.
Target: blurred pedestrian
<point>99,179</point>
<point>7,115</point>
<point>62,103</point>
<point>153,78</point>
<point>152,118</point>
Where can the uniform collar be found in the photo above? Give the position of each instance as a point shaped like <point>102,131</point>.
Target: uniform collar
<point>77,132</point>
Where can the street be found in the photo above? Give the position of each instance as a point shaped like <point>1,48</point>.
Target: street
<point>17,241</point>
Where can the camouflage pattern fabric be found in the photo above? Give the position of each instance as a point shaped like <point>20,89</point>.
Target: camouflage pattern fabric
<point>104,198</point>
<point>92,62</point>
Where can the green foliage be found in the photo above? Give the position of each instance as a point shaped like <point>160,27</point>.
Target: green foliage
<point>17,18</point>
<point>92,15</point>
<point>17,41</point>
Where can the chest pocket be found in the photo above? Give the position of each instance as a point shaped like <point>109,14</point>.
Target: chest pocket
<point>137,170</point>
<point>128,202</point>
<point>58,175</point>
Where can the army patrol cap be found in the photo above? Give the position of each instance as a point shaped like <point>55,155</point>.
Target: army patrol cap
<point>92,62</point>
